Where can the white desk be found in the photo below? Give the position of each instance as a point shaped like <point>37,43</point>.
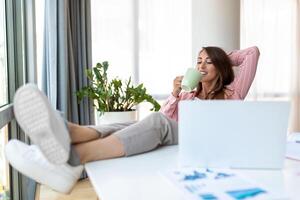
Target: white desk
<point>137,177</point>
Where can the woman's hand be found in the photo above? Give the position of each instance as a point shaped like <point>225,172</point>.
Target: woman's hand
<point>177,86</point>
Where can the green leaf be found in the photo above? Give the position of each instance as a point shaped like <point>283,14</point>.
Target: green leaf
<point>97,73</point>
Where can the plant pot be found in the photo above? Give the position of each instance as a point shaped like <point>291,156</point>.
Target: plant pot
<point>116,117</point>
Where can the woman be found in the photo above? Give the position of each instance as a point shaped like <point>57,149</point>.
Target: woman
<point>46,128</point>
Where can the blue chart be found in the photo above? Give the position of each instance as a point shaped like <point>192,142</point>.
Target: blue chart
<point>194,176</point>
<point>210,184</point>
<point>208,197</point>
<point>208,174</point>
<point>221,175</point>
<point>246,194</point>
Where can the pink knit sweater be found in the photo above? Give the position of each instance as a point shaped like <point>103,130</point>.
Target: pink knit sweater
<point>246,60</point>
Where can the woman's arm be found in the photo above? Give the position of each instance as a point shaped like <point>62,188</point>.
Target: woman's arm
<point>170,107</point>
<point>246,60</point>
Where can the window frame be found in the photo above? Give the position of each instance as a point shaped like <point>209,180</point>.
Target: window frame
<point>21,68</point>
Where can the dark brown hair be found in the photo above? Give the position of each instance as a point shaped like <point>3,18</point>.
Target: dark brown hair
<point>225,72</point>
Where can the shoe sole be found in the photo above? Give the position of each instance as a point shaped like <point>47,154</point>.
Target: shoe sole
<point>33,113</point>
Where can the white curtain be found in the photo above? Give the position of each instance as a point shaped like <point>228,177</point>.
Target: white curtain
<point>272,26</point>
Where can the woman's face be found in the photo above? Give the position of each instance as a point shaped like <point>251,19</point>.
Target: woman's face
<point>206,68</point>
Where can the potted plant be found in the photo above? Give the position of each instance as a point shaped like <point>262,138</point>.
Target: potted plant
<point>115,100</point>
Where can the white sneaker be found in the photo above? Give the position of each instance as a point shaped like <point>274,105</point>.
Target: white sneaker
<point>31,162</point>
<point>42,123</point>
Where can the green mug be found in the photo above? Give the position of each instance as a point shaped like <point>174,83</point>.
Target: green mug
<point>191,79</point>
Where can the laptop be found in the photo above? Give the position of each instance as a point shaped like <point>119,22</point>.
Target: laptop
<point>233,134</point>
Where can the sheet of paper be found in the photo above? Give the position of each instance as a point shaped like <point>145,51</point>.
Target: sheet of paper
<point>217,184</point>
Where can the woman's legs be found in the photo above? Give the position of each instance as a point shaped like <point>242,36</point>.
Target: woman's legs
<point>89,140</point>
<point>143,136</point>
<point>100,149</point>
<point>80,134</point>
<point>153,131</point>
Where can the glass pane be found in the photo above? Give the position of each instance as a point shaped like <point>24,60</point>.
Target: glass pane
<point>112,35</point>
<point>165,42</point>
<point>3,66</point>
<point>4,169</point>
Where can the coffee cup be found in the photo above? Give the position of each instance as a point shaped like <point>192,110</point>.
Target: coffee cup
<point>191,79</point>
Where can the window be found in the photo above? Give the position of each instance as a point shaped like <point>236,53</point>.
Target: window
<point>164,43</point>
<point>113,35</point>
<point>15,50</point>
<point>3,64</point>
<point>146,39</point>
<point>149,40</point>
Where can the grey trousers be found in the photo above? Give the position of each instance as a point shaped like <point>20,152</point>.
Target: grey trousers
<point>138,137</point>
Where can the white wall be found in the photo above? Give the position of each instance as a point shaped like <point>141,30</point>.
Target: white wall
<point>215,23</point>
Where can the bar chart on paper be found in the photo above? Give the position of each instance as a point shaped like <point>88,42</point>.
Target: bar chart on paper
<point>216,184</point>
